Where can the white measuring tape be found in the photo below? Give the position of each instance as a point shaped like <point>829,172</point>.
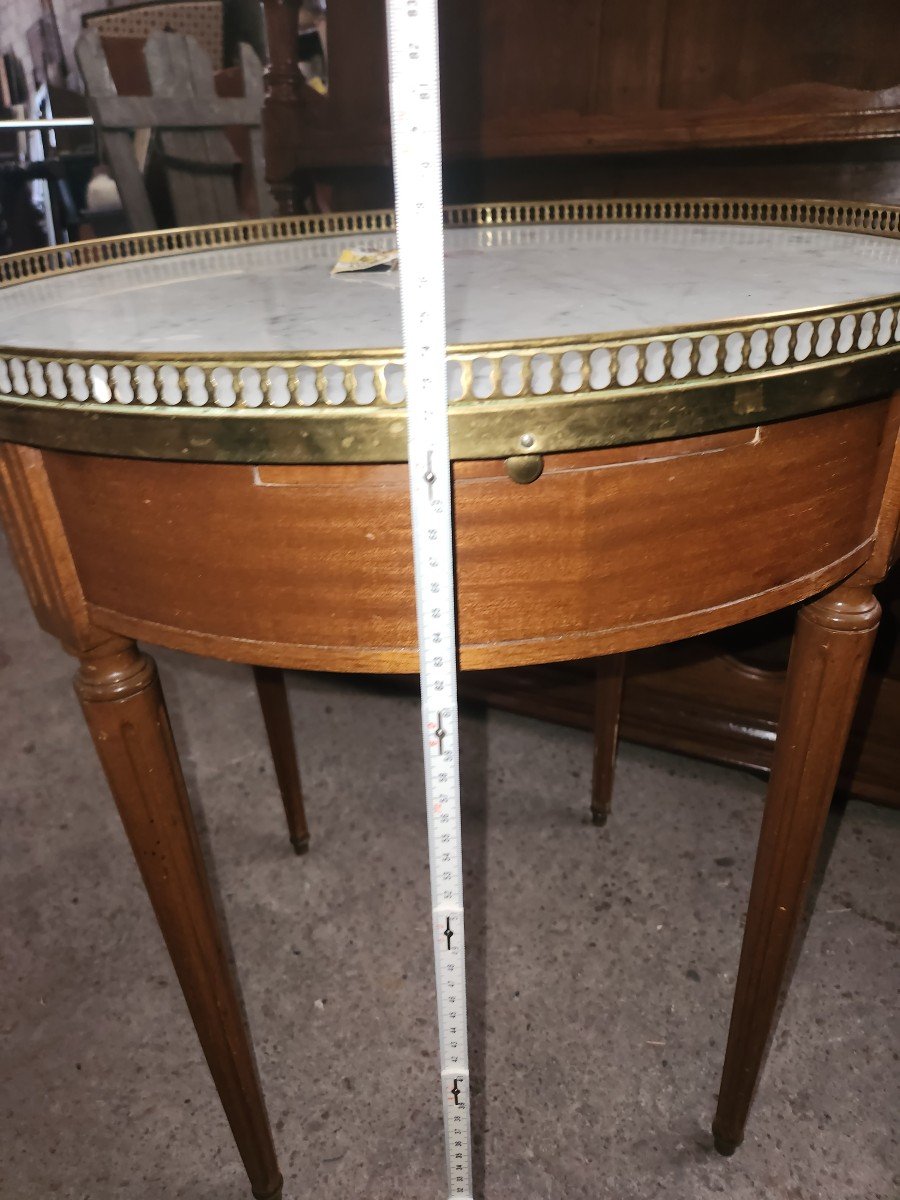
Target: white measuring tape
<point>416,138</point>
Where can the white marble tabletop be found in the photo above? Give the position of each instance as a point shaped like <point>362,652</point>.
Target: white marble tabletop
<point>502,283</point>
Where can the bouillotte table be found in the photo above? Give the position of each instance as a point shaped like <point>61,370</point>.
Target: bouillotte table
<point>193,454</point>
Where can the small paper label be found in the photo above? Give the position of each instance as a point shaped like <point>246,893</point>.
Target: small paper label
<point>365,260</point>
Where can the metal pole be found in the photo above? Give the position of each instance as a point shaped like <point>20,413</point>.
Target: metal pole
<point>27,125</point>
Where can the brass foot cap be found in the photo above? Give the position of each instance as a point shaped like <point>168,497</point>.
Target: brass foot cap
<point>725,1147</point>
<point>301,846</point>
<point>273,1195</point>
<point>599,818</point>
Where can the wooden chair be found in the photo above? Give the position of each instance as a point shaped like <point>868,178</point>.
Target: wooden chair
<point>184,110</point>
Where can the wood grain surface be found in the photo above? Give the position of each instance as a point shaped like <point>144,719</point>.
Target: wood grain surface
<point>608,550</point>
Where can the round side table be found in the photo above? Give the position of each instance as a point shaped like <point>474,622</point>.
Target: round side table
<point>191,454</point>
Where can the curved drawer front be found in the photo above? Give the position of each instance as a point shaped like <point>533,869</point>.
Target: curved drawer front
<point>310,566</point>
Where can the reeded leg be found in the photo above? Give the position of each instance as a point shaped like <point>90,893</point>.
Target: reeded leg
<point>276,712</point>
<point>608,701</point>
<point>830,650</point>
<point>126,714</point>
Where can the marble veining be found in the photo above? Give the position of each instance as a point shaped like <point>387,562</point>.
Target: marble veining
<point>502,283</point>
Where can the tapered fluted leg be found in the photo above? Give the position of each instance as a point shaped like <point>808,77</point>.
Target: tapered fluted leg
<point>276,713</point>
<point>608,701</point>
<point>126,714</point>
<point>831,647</point>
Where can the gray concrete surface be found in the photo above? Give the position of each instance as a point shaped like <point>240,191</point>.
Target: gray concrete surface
<point>601,971</point>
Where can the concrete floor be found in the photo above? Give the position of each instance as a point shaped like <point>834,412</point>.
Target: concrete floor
<point>601,971</point>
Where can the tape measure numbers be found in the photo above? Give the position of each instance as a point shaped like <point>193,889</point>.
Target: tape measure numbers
<point>416,139</point>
